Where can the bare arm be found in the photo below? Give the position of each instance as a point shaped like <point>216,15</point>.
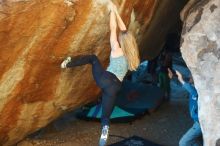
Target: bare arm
<point>121,24</point>
<point>113,32</point>
<point>180,77</point>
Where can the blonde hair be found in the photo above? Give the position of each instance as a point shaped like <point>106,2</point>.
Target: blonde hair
<point>130,49</point>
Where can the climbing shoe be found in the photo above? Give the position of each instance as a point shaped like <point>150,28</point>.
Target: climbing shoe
<point>104,135</point>
<point>65,62</point>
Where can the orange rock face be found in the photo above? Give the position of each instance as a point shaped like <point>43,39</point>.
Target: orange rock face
<point>35,36</point>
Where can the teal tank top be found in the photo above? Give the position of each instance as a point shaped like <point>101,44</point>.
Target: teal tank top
<point>118,66</point>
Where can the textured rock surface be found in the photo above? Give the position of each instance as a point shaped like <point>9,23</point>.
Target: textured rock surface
<point>201,51</point>
<point>36,35</point>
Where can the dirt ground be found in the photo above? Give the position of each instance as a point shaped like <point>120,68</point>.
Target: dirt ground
<point>164,126</point>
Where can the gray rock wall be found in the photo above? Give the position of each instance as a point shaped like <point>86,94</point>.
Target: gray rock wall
<point>201,51</point>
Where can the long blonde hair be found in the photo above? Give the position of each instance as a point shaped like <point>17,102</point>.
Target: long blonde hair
<point>130,49</point>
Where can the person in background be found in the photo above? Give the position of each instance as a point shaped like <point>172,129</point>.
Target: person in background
<point>151,68</point>
<point>193,137</point>
<point>124,56</point>
<point>163,75</point>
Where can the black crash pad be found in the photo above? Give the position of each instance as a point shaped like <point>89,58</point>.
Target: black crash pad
<point>135,141</point>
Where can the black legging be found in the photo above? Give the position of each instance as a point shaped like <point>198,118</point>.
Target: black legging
<point>107,81</point>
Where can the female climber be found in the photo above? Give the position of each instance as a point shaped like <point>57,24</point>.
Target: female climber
<point>124,56</point>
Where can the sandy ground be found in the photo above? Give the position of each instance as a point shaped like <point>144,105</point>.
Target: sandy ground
<point>164,126</point>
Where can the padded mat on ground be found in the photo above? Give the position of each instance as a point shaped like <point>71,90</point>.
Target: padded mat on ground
<point>135,141</point>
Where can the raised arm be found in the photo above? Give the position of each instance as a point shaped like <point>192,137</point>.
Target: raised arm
<point>180,77</point>
<point>121,24</point>
<point>113,31</point>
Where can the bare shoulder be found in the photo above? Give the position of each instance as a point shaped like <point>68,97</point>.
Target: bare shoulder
<point>116,53</point>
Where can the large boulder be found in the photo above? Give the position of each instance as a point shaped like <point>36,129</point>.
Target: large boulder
<point>201,51</point>
<point>36,35</point>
